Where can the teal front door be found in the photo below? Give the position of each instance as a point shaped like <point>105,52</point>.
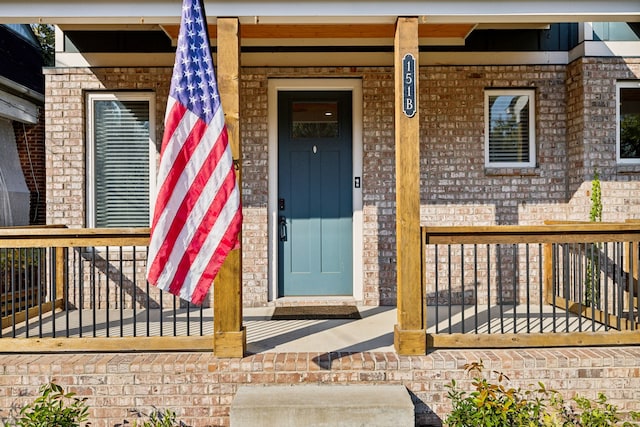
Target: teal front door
<point>314,193</point>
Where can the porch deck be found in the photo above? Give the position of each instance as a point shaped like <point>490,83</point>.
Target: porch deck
<point>374,332</point>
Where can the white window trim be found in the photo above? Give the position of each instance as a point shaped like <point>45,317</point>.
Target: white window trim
<point>532,128</point>
<point>620,85</point>
<point>90,146</point>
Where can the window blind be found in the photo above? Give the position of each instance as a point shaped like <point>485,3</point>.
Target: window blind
<point>121,138</point>
<point>509,129</point>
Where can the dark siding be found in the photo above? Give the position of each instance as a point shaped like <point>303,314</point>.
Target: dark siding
<point>559,37</point>
<point>117,41</point>
<point>21,61</point>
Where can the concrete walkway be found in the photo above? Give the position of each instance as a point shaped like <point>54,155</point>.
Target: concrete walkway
<point>374,332</point>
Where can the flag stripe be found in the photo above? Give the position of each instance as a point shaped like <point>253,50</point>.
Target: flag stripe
<point>202,165</point>
<point>205,241</point>
<point>183,242</point>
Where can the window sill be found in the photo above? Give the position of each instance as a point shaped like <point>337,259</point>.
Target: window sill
<point>628,168</point>
<point>523,171</point>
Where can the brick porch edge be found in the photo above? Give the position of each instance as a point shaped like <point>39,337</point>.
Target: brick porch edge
<point>200,387</point>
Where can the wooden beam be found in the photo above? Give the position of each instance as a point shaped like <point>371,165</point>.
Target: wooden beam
<point>102,344</point>
<point>333,31</point>
<point>229,336</point>
<point>558,339</point>
<point>409,333</point>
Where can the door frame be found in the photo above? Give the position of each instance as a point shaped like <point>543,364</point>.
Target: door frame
<point>354,85</point>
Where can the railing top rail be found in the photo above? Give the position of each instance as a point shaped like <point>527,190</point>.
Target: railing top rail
<point>44,237</point>
<point>565,232</point>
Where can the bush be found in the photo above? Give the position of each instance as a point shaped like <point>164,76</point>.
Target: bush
<point>156,418</point>
<point>53,408</point>
<point>496,405</point>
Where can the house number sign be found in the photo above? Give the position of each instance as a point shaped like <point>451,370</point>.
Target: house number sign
<point>409,85</point>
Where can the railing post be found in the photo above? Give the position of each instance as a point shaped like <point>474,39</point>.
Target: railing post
<point>229,336</point>
<point>409,333</point>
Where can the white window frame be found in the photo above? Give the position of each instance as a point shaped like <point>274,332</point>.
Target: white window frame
<point>625,85</point>
<point>530,93</point>
<point>90,146</point>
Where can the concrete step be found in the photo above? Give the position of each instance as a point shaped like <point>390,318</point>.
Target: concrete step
<point>321,405</point>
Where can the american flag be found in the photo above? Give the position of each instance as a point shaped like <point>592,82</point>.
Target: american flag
<point>197,216</point>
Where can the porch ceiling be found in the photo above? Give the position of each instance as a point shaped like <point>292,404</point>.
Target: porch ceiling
<point>165,12</point>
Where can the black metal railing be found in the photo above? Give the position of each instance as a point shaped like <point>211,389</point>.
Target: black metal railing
<point>63,283</point>
<point>557,278</point>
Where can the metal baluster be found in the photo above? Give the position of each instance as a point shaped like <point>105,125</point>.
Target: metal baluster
<point>462,282</point>
<point>80,290</point>
<point>566,270</point>
<point>632,259</point>
<point>554,280</point>
<point>475,285</point>
<point>148,302</point>
<point>51,262</point>
<point>499,277</point>
<point>107,291</point>
<point>201,320</point>
<point>515,288</point>
<point>528,282</point>
<point>540,286</point>
<point>436,284</point>
<point>36,281</point>
<point>449,284</point>
<point>605,308</point>
<point>94,287</point>
<point>175,317</point>
<point>135,295</point>
<point>577,271</point>
<point>121,283</point>
<point>488,289</point>
<point>188,318</point>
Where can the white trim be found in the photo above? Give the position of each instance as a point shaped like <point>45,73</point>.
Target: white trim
<point>628,84</point>
<point>612,48</point>
<point>355,86</point>
<point>90,155</point>
<point>333,59</point>
<point>16,108</point>
<point>585,32</point>
<point>530,93</point>
<point>321,11</point>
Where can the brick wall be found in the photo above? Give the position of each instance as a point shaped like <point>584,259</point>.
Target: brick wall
<point>592,138</point>
<point>574,104</point>
<point>200,388</point>
<point>31,150</point>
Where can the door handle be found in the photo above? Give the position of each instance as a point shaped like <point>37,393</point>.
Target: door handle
<point>282,228</point>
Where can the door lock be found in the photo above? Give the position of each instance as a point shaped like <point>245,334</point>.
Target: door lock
<point>282,228</point>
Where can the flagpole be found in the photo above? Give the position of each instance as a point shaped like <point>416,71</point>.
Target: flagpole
<point>229,338</point>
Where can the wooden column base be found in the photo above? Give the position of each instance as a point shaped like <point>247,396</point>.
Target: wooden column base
<point>410,342</point>
<point>230,344</point>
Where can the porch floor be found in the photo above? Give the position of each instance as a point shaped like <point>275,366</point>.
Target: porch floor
<point>374,332</point>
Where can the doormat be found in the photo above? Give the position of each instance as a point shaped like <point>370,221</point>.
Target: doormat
<point>316,312</point>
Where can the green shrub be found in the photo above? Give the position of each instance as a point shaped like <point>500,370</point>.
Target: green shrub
<point>53,408</point>
<point>496,405</point>
<point>167,418</point>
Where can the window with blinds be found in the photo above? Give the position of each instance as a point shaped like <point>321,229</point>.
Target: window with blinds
<point>509,128</point>
<point>121,150</point>
<point>628,122</point>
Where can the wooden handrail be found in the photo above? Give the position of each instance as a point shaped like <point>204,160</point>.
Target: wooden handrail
<point>551,233</point>
<point>70,237</point>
